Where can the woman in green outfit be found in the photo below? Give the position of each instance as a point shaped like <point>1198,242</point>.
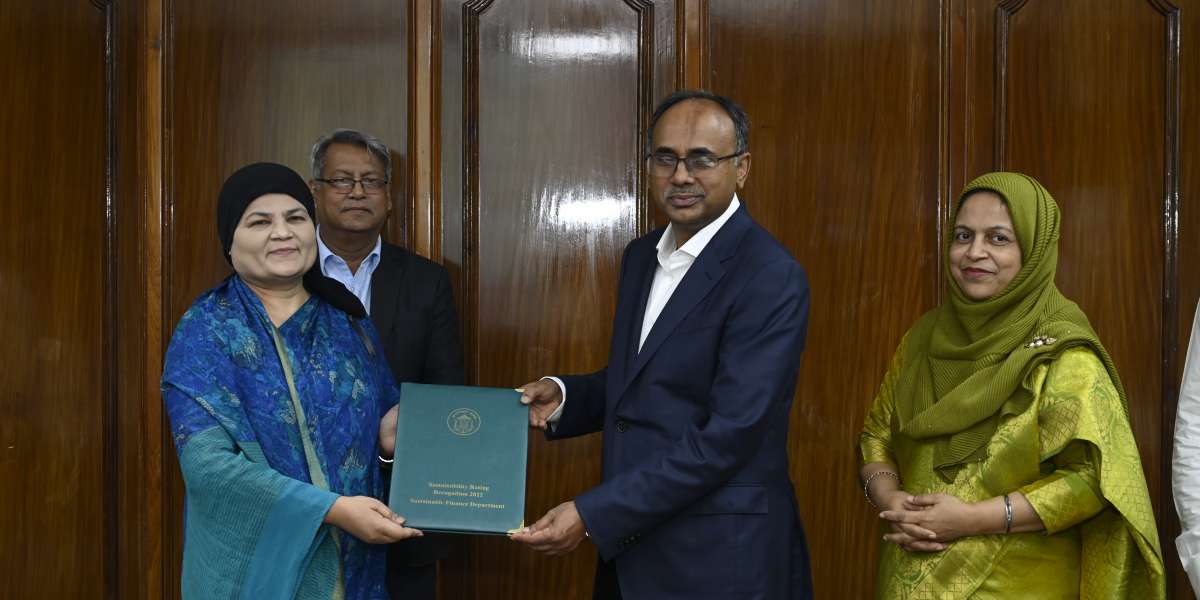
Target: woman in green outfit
<point>998,447</point>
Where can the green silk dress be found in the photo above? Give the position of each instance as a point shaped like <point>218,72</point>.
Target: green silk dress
<point>1073,456</point>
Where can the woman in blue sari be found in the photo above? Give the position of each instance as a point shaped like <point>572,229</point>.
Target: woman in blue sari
<point>276,389</point>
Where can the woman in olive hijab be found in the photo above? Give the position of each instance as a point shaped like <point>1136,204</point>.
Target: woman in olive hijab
<point>998,447</point>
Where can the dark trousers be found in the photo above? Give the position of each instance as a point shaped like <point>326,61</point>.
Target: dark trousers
<point>412,582</point>
<point>607,585</point>
<point>412,566</point>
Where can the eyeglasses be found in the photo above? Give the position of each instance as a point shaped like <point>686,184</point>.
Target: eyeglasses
<point>665,163</point>
<point>370,185</point>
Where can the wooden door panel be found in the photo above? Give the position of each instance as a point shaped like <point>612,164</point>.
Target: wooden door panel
<point>544,121</point>
<point>1187,268</point>
<point>846,173</point>
<point>56,512</point>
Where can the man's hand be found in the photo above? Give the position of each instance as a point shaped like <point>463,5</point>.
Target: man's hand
<point>387,433</point>
<point>559,532</point>
<point>542,396</point>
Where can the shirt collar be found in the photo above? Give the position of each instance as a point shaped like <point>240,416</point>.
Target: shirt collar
<point>324,253</point>
<point>694,246</point>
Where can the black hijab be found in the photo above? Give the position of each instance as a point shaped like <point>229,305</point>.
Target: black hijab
<point>251,182</point>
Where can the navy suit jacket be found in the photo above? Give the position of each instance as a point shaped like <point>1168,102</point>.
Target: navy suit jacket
<point>696,501</point>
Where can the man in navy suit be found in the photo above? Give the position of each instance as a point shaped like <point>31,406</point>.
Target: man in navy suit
<point>696,501</point>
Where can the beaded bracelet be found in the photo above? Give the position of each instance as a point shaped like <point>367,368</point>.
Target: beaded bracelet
<point>867,484</point>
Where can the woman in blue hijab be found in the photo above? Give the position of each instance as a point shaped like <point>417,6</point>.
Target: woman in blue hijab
<point>276,388</point>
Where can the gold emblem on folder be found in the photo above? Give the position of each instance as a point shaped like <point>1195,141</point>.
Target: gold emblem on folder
<point>463,421</point>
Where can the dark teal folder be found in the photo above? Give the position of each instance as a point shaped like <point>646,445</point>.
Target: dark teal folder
<point>460,459</point>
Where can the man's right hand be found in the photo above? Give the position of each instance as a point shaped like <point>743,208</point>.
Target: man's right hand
<point>542,396</point>
<point>369,520</point>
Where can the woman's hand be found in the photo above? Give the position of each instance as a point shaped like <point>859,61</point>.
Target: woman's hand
<point>909,536</point>
<point>368,520</point>
<point>938,518</point>
<point>387,432</point>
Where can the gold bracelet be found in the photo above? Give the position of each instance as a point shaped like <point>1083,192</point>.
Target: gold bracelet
<point>867,484</point>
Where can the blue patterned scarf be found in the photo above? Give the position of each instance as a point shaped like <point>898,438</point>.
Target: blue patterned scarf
<point>254,504</point>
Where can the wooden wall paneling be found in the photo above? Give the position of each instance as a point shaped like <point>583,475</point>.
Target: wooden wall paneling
<point>107,357</point>
<point>171,300</point>
<point>543,113</point>
<point>847,174</point>
<point>261,81</point>
<point>137,208</point>
<point>971,85</point>
<point>1188,263</point>
<point>424,95</point>
<point>56,409</point>
<point>693,69</point>
<point>1172,357</point>
<point>451,161</point>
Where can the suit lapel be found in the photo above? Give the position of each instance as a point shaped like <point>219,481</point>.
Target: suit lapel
<point>626,334</point>
<point>385,288</point>
<point>703,275</point>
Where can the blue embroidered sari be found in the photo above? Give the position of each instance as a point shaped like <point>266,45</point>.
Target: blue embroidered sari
<point>262,465</point>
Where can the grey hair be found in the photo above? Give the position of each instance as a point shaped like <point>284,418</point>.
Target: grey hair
<point>741,122</point>
<point>354,138</point>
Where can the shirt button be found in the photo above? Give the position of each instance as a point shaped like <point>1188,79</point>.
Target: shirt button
<point>621,426</point>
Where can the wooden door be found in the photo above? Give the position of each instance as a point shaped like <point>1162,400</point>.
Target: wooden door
<point>543,113</point>
<point>57,406</point>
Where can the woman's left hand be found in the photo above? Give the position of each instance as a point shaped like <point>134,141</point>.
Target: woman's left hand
<point>946,516</point>
<point>387,433</point>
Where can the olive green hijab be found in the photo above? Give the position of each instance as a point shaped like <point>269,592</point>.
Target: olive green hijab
<point>967,362</point>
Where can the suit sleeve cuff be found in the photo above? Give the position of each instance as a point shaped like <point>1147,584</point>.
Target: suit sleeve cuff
<point>552,420</point>
<point>607,546</point>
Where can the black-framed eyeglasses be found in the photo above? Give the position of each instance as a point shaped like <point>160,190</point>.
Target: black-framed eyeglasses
<point>665,163</point>
<point>370,185</point>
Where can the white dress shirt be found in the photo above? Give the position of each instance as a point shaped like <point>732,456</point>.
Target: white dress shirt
<point>1185,464</point>
<point>358,282</point>
<point>673,263</point>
